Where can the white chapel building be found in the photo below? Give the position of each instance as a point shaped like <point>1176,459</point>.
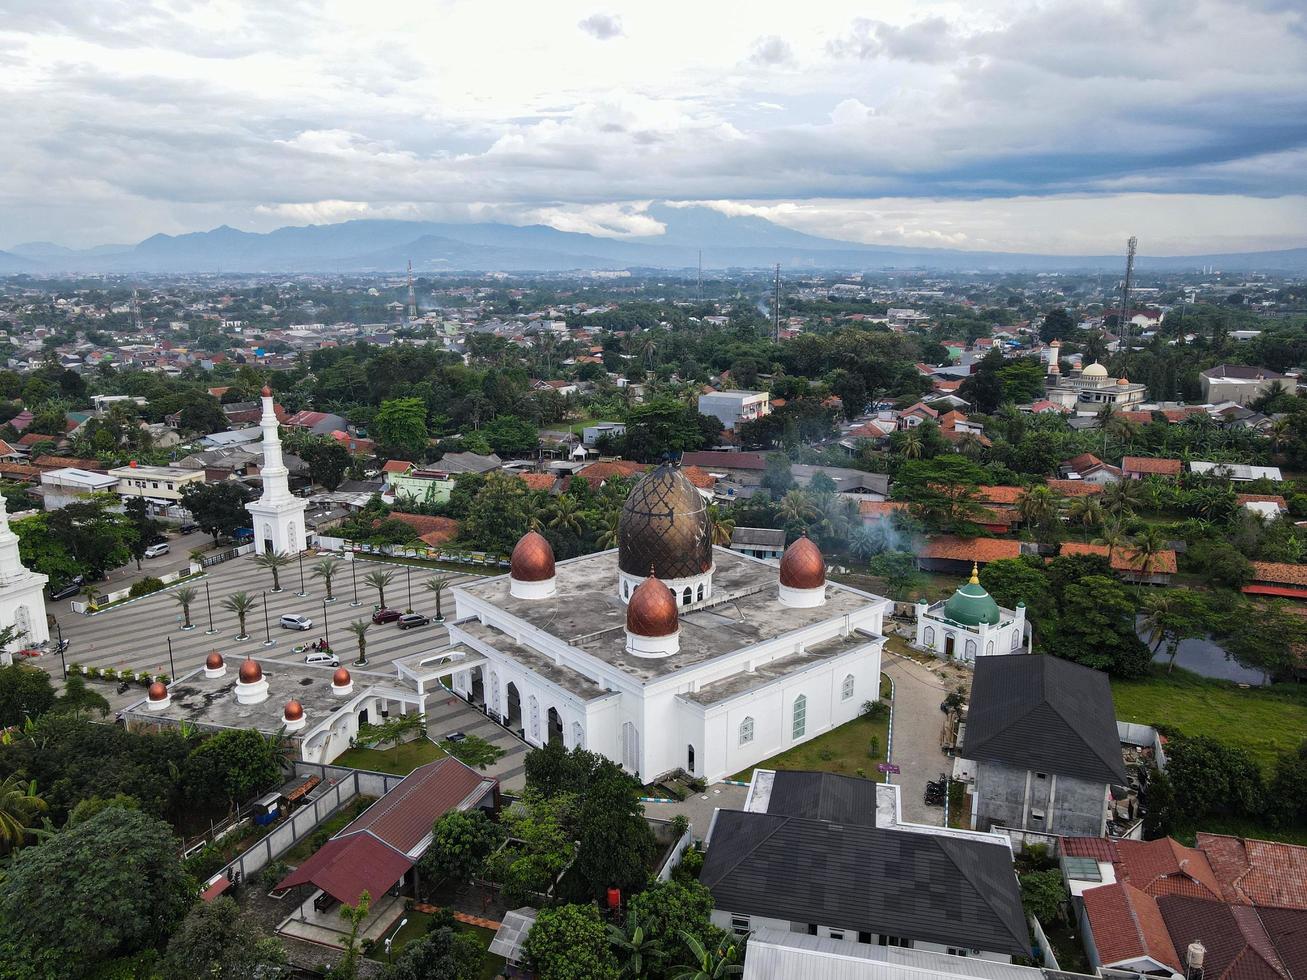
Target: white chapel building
<point>667,653</point>
<point>22,596</point>
<point>970,624</point>
<point>277,516</point>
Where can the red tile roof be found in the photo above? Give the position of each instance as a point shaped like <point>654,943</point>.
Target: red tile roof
<point>999,495</point>
<point>396,466</point>
<point>880,508</point>
<point>1075,488</point>
<point>1237,946</point>
<point>597,473</point>
<point>1125,559</point>
<point>438,529</point>
<point>1261,498</point>
<point>6,449</point>
<point>1165,867</point>
<point>48,462</point>
<point>1098,848</point>
<point>538,481</point>
<point>346,867</point>
<point>1279,572</point>
<point>1149,465</point>
<point>699,477</point>
<point>20,471</point>
<point>1257,872</point>
<point>1082,462</point>
<point>979,550</point>
<point>1127,925</point>
<point>32,438</point>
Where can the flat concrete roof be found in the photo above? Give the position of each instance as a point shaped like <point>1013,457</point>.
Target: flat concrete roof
<point>729,687</point>
<point>587,613</point>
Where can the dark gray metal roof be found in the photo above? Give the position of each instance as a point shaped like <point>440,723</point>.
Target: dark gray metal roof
<point>760,536</point>
<point>823,796</point>
<point>922,886</point>
<point>1045,714</point>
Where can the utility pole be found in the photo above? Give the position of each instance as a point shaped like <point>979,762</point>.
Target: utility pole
<point>1123,328</point>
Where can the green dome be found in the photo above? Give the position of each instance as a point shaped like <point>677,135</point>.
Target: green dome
<point>971,605</point>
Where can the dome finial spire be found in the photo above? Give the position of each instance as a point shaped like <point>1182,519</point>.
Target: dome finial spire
<point>975,574</point>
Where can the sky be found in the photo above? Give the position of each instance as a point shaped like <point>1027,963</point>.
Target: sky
<point>1058,126</point>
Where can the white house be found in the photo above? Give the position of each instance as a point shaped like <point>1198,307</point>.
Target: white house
<point>734,407</point>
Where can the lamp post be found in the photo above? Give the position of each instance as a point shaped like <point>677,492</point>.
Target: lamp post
<point>301,593</point>
<point>60,643</point>
<point>326,630</point>
<point>410,588</point>
<point>209,602</point>
<point>391,938</point>
<point>267,627</point>
<point>172,667</point>
<point>354,576</point>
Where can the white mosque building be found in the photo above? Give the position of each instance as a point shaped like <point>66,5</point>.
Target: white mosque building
<point>667,653</point>
<point>970,624</point>
<point>277,516</point>
<point>1088,391</point>
<point>22,595</point>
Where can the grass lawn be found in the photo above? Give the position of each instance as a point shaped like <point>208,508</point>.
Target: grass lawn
<point>896,644</point>
<point>416,928</point>
<point>1067,948</point>
<point>399,761</point>
<point>1237,827</point>
<point>1265,721</point>
<point>842,750</point>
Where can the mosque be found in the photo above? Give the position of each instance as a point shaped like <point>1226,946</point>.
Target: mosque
<point>970,624</point>
<point>667,653</point>
<point>1086,392</point>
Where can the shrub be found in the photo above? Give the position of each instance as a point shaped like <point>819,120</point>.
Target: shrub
<point>273,873</point>
<point>145,586</point>
<point>875,710</point>
<point>873,747</point>
<point>109,674</point>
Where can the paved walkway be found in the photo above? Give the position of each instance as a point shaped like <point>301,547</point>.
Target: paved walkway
<point>447,714</point>
<point>918,725</point>
<point>699,807</point>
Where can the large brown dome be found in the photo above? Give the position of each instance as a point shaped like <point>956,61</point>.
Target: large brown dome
<point>533,559</point>
<point>664,524</point>
<point>802,566</point>
<point>652,610</point>
<point>251,672</point>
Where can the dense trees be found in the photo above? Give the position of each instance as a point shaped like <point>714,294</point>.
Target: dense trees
<point>230,767</point>
<point>569,942</point>
<point>214,941</point>
<point>219,508</point>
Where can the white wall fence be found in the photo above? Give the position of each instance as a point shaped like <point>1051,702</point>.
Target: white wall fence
<point>172,578</point>
<point>674,857</point>
<point>1144,736</point>
<point>1045,947</point>
<point>359,549</point>
<point>344,786</point>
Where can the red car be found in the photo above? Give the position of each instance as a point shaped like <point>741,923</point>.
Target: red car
<point>386,616</point>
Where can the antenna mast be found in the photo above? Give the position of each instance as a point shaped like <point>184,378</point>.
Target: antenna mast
<point>1124,325</point>
<point>412,296</point>
<point>776,307</point>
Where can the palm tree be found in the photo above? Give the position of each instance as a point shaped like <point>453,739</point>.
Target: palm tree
<point>240,603</point>
<point>633,945</point>
<point>379,580</point>
<point>1114,536</point>
<point>796,508</point>
<point>863,544</point>
<point>359,628</point>
<point>1279,433</point>
<point>722,527</point>
<point>1149,546</point>
<point>608,536</point>
<point>1123,496</point>
<point>708,965</point>
<point>1087,512</point>
<point>184,597</point>
<point>910,444</point>
<point>970,446</point>
<point>566,514</point>
<point>326,570</point>
<point>19,806</point>
<point>91,593</point>
<point>437,585</point>
<point>274,561</point>
<point>1038,507</point>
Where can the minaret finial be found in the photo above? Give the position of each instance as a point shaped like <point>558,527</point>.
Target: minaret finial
<point>975,574</point>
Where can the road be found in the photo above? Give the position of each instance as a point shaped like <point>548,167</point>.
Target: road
<point>918,724</point>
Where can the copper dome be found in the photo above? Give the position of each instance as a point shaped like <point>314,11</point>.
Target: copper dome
<point>802,566</point>
<point>533,559</point>
<point>294,710</point>
<point>341,677</point>
<point>251,672</point>
<point>664,524</point>
<point>214,661</point>
<point>267,392</point>
<point>652,610</point>
<point>158,691</point>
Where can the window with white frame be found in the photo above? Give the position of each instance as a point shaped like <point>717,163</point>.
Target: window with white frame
<point>800,716</point>
<point>846,691</point>
<point>746,731</point>
<point>740,925</point>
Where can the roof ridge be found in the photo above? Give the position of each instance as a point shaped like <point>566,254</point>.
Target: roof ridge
<point>944,844</point>
<point>782,821</point>
<point>1111,764</point>
<point>1025,714</point>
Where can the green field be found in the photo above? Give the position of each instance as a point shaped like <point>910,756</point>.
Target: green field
<point>1264,721</point>
<point>842,750</point>
<point>398,761</point>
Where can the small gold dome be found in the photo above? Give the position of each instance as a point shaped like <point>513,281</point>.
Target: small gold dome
<point>341,677</point>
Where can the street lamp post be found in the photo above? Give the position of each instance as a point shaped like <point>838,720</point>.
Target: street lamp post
<point>410,589</point>
<point>62,663</point>
<point>172,666</point>
<point>391,938</point>
<point>209,602</point>
<point>326,630</point>
<point>354,576</point>
<point>267,627</point>
<point>301,593</point>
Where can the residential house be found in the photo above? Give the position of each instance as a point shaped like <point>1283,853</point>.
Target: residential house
<point>1091,469</point>
<point>10,454</point>
<point>316,423</point>
<point>946,553</point>
<point>1236,472</point>
<point>1128,563</point>
<point>734,407</point>
<point>161,486</point>
<point>1138,467</point>
<point>1269,505</point>
<point>758,542</point>
<point>68,485</point>
<point>914,415</point>
<point>1042,734</point>
<point>1284,580</point>
<point>426,486</point>
<point>829,855</point>
<point>858,484</point>
<point>591,434</point>
<point>1240,383</point>
<point>597,474</point>
<point>468,463</point>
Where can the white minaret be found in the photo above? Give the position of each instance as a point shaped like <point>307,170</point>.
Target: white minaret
<point>278,517</point>
<point>22,601</point>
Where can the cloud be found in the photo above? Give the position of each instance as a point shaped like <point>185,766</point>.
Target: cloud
<point>771,51</point>
<point>931,40</point>
<point>604,27</point>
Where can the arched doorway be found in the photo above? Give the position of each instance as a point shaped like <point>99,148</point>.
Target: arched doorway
<point>534,704</point>
<point>494,695</point>
<point>689,759</point>
<point>513,717</point>
<point>363,717</point>
<point>477,687</point>
<point>554,726</point>
<point>630,747</point>
<point>948,645</point>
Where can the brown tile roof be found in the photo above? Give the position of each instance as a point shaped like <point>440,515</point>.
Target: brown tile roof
<point>1125,559</point>
<point>955,436</point>
<point>396,466</point>
<point>1151,466</point>
<point>700,478</point>
<point>727,461</point>
<point>538,481</point>
<point>880,508</point>
<point>439,529</point>
<point>1127,925</point>
<point>1281,572</point>
<point>1237,946</point>
<point>48,462</point>
<point>32,438</point>
<point>1082,462</point>
<point>1257,872</point>
<point>6,449</point>
<point>970,549</point>
<point>1075,488</point>
<point>1098,848</point>
<point>20,471</point>
<point>1165,867</point>
<point>597,473</point>
<point>999,495</point>
<point>1261,498</point>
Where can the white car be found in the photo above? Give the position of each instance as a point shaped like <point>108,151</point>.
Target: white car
<point>321,657</point>
<point>155,550</point>
<point>293,622</point>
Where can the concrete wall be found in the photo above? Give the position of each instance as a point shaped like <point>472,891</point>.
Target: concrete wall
<point>722,919</point>
<point>1012,797</point>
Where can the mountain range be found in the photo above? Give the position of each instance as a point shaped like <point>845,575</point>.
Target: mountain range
<point>742,242</point>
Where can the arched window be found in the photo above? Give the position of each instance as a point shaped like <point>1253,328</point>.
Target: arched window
<point>626,590</point>
<point>578,735</point>
<point>686,596</point>
<point>746,731</point>
<point>1016,639</point>
<point>929,636</point>
<point>630,747</point>
<point>989,648</point>
<point>800,717</point>
<point>971,649</point>
<point>700,595</point>
<point>846,691</point>
<point>535,718</point>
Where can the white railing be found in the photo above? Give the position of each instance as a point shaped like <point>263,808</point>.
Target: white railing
<point>105,598</point>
